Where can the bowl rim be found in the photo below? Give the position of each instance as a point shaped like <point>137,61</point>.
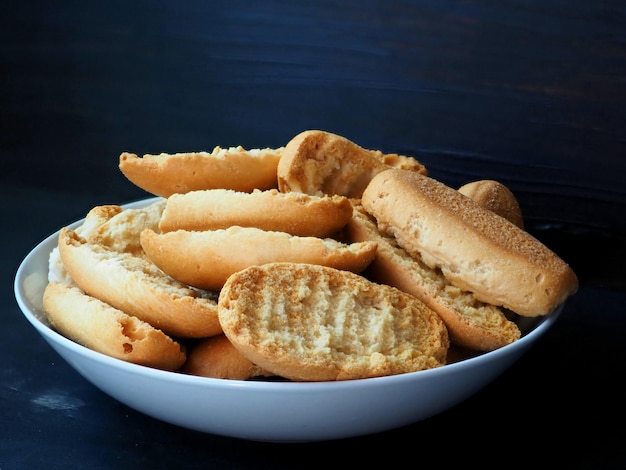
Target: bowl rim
<point>33,315</point>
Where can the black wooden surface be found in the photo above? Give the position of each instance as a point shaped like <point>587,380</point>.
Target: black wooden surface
<point>528,93</point>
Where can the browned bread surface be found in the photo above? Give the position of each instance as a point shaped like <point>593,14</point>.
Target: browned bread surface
<point>295,213</point>
<point>318,162</point>
<point>206,259</point>
<point>217,357</point>
<point>137,287</point>
<point>496,197</point>
<point>314,323</point>
<point>230,168</point>
<point>105,329</point>
<point>471,324</point>
<point>476,249</point>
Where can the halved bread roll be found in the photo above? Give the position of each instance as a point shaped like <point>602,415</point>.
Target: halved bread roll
<point>318,162</point>
<point>105,329</point>
<point>230,168</point>
<point>295,213</point>
<point>137,287</point>
<point>207,258</point>
<point>313,323</point>
<point>471,324</point>
<point>477,250</point>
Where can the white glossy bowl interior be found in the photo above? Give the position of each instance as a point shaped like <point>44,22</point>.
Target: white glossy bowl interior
<point>268,411</point>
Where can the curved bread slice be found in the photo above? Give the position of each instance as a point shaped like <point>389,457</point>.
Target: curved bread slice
<point>230,168</point>
<point>313,323</point>
<point>476,249</point>
<point>496,197</point>
<point>137,287</point>
<point>105,329</point>
<point>294,213</point>
<point>471,324</point>
<point>206,259</point>
<point>111,226</point>
<point>217,357</point>
<point>318,162</point>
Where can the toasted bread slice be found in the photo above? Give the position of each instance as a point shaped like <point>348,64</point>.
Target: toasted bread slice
<point>318,162</point>
<point>228,168</point>
<point>471,324</point>
<point>105,329</point>
<point>314,323</point>
<point>476,249</point>
<point>137,287</point>
<point>295,213</point>
<point>206,259</point>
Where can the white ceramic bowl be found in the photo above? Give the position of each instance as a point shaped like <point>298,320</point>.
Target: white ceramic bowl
<point>266,410</point>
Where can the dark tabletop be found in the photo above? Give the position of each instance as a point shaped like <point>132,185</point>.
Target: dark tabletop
<point>529,93</point>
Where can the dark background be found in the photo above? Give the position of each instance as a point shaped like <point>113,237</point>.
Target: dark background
<point>529,93</point>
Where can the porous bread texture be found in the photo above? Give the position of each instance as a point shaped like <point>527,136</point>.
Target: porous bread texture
<point>105,329</point>
<point>476,249</point>
<point>496,197</point>
<point>295,213</point>
<point>112,226</point>
<point>121,232</point>
<point>471,323</point>
<point>234,168</point>
<point>137,287</point>
<point>314,323</point>
<point>318,162</point>
<point>205,259</point>
<point>216,357</point>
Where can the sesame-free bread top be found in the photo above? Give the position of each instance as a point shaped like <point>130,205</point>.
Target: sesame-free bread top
<point>318,162</point>
<point>230,168</point>
<point>295,213</point>
<point>205,259</point>
<point>476,249</point>
<point>314,323</point>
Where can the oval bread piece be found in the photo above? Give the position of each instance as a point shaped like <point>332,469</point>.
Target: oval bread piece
<point>217,357</point>
<point>496,197</point>
<point>137,287</point>
<point>314,323</point>
<point>295,213</point>
<point>318,162</point>
<point>105,329</point>
<point>471,323</point>
<point>229,168</point>
<point>476,249</point>
<point>206,259</point>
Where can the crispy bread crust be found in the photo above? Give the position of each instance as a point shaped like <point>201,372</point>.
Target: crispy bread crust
<point>471,324</point>
<point>496,197</point>
<point>105,329</point>
<point>137,287</point>
<point>476,250</point>
<point>232,168</point>
<point>294,213</point>
<point>313,323</point>
<point>318,162</point>
<point>217,357</point>
<point>206,259</point>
